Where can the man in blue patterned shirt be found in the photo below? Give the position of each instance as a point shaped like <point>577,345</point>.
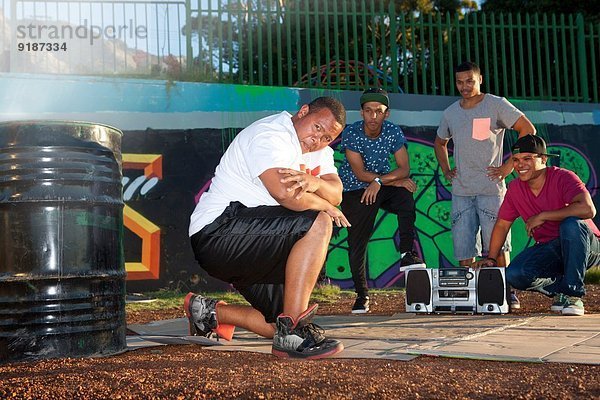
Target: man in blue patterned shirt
<point>370,184</point>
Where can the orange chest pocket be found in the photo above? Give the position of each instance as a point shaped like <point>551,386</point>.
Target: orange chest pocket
<point>481,128</point>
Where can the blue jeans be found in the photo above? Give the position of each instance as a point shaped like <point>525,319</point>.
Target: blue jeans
<point>473,219</point>
<point>557,266</point>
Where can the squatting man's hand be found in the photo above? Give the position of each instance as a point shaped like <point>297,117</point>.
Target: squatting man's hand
<point>337,217</point>
<point>300,180</point>
<point>533,223</point>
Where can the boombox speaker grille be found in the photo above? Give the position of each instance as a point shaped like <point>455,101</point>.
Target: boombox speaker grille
<point>418,287</point>
<point>490,287</point>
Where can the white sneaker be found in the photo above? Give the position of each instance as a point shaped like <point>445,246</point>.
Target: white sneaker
<point>573,306</point>
<point>540,283</point>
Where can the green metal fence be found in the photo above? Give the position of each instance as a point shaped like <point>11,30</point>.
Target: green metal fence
<point>353,44</point>
<point>340,44</point>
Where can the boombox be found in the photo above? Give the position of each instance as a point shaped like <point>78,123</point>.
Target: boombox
<point>456,290</point>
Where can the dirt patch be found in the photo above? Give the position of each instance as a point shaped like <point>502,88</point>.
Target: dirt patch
<point>192,372</point>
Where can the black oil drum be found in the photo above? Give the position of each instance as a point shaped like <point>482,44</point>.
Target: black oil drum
<point>62,274</point>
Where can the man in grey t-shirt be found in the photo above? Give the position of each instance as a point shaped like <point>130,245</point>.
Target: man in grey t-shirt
<point>476,123</point>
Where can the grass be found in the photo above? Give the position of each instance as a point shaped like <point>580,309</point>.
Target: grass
<point>165,299</point>
<point>593,276</point>
<point>161,300</point>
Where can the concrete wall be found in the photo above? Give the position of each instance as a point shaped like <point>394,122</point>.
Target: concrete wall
<point>175,133</point>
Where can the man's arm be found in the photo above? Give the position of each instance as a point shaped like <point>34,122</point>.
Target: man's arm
<point>499,233</point>
<point>272,179</point>
<point>330,189</point>
<point>440,147</point>
<point>581,207</point>
<point>524,127</point>
<point>328,186</point>
<point>403,169</point>
<point>399,177</point>
<point>358,167</point>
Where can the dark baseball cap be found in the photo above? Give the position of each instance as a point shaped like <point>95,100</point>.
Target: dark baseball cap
<point>375,94</point>
<point>531,144</point>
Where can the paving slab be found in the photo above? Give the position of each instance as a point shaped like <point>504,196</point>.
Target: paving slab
<point>403,336</point>
<point>139,342</point>
<point>586,352</point>
<point>171,327</point>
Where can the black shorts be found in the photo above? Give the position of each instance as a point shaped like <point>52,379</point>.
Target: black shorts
<point>249,247</point>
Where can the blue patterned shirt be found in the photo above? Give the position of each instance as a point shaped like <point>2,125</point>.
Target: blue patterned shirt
<point>375,152</point>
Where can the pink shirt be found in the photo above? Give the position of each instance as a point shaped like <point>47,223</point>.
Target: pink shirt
<point>559,189</point>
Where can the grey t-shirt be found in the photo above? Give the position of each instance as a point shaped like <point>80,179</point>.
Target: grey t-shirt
<point>478,134</point>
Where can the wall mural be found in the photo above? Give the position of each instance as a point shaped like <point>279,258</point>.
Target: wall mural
<point>176,132</point>
<point>433,224</point>
<point>162,172</point>
<point>148,264</point>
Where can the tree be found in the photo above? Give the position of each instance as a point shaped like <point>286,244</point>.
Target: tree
<point>590,9</point>
<point>252,36</point>
<point>455,6</point>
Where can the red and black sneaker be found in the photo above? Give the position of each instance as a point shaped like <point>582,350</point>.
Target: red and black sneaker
<point>201,313</point>
<point>302,338</point>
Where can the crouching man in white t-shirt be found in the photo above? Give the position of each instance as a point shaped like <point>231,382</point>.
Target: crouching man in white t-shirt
<point>264,226</point>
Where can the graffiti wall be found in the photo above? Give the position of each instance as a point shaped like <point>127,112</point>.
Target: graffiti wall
<point>175,134</point>
<point>433,197</point>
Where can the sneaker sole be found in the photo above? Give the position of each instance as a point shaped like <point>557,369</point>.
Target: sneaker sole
<point>360,311</point>
<point>515,306</point>
<point>186,308</point>
<point>556,308</point>
<point>572,312</point>
<point>285,354</point>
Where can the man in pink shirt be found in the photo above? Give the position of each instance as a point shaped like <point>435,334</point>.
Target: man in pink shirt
<point>557,210</point>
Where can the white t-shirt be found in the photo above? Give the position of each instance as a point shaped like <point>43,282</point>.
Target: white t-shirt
<point>270,142</point>
<point>320,162</point>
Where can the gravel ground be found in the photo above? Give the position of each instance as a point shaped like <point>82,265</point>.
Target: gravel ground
<point>192,372</point>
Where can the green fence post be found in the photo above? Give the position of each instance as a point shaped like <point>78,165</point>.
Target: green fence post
<point>404,55</point>
<point>594,74</point>
<point>394,47</point>
<point>220,38</point>
<point>268,26</point>
<point>583,78</point>
<point>288,44</point>
<point>189,57</point>
<point>259,46</point>
<point>308,42</point>
<point>433,86</point>
<point>450,60</point>
<point>441,46</point>
<point>555,40</point>
<point>346,38</point>
<point>357,77</point>
<point>278,18</point>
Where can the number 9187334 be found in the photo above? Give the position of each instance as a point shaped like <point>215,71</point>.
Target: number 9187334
<point>42,46</point>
